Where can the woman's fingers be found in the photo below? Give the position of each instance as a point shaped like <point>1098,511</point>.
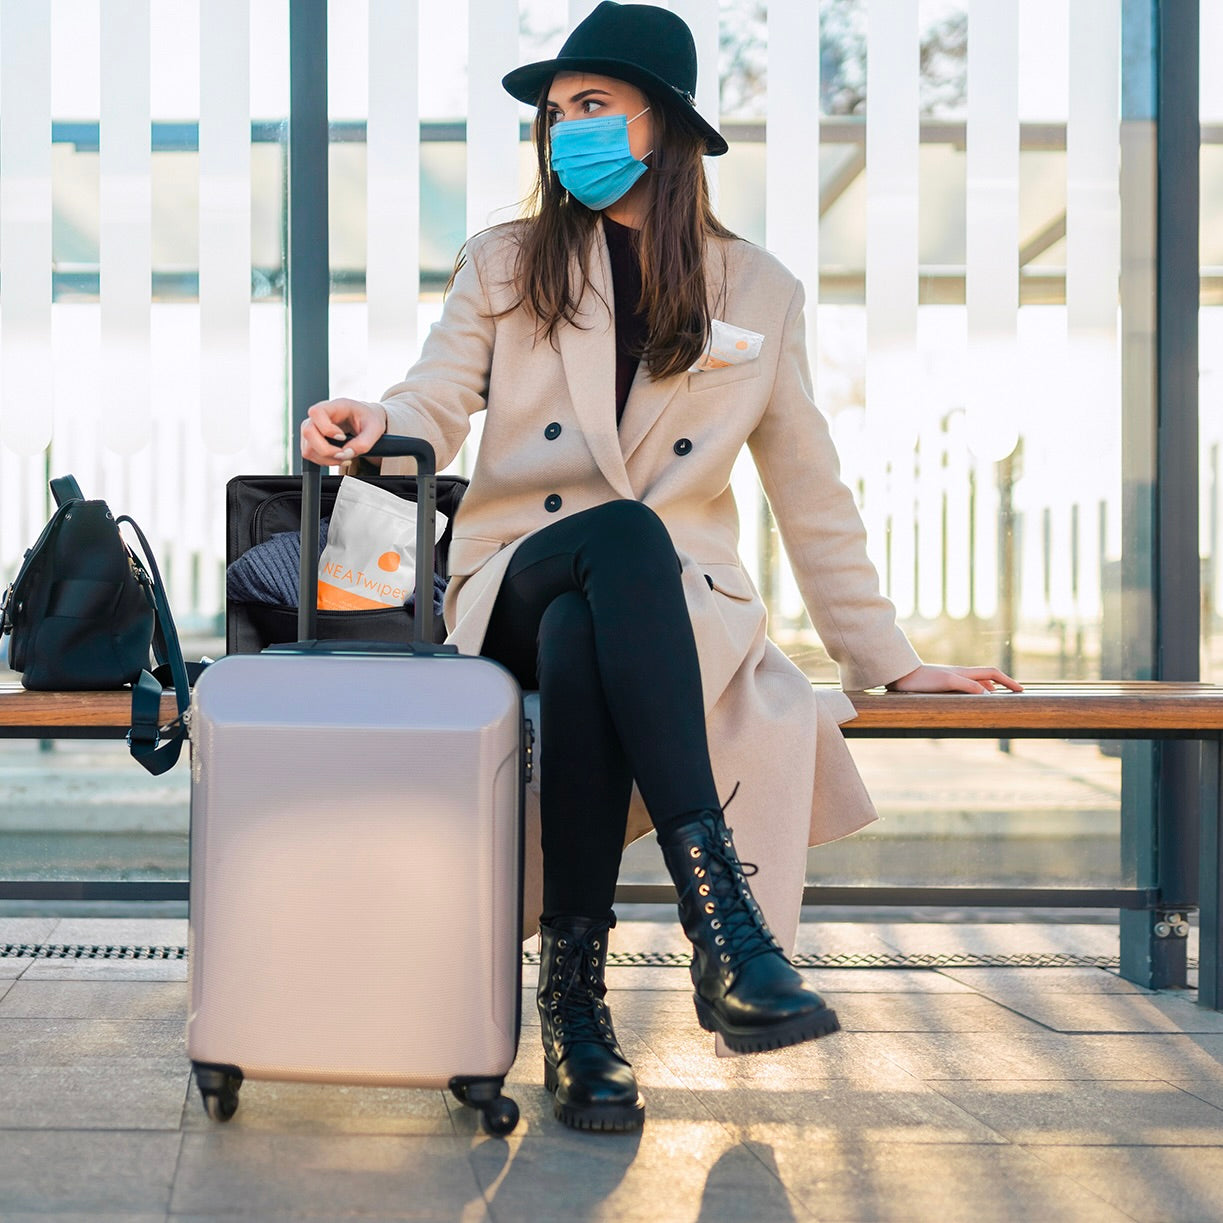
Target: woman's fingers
<point>322,429</point>
<point>974,680</point>
<point>369,425</point>
<point>991,677</point>
<point>328,424</point>
<point>984,679</point>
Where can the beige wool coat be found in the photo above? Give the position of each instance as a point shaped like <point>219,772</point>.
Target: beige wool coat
<point>767,731</point>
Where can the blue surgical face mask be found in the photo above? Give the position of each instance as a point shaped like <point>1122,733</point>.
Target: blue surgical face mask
<point>591,158</point>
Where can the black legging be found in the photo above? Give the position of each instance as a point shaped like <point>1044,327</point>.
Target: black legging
<point>592,613</point>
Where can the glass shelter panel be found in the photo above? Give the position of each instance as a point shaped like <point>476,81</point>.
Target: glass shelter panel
<point>142,337</point>
<point>970,206</point>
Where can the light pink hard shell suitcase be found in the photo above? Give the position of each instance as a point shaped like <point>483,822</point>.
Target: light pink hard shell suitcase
<point>356,859</point>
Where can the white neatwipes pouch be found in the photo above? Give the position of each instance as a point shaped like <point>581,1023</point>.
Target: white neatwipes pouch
<point>370,558</point>
<point>728,345</point>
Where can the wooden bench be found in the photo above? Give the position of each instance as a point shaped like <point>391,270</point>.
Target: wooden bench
<point>69,715</point>
<point>1190,850</point>
<point>1124,710</point>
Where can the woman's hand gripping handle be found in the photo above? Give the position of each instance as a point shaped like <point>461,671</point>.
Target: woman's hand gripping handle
<point>330,422</point>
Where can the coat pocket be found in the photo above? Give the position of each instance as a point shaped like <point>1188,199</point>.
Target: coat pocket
<point>729,580</point>
<point>468,553</point>
<point>711,379</point>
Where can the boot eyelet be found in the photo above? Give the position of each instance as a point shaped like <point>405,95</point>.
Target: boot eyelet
<point>724,958</point>
<point>556,993</point>
<point>594,959</point>
<point>699,872</point>
<point>710,907</point>
<point>721,942</point>
<point>695,852</point>
<point>595,945</point>
<point>715,924</point>
<point>560,942</point>
<point>703,890</point>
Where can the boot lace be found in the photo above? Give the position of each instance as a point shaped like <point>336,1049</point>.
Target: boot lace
<point>741,931</point>
<point>577,990</point>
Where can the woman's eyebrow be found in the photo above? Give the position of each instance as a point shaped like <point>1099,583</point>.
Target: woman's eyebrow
<point>577,97</point>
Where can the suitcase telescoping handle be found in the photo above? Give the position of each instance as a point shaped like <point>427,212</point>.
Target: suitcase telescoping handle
<point>389,446</point>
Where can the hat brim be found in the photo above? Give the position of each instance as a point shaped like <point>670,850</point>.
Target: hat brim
<point>527,82</point>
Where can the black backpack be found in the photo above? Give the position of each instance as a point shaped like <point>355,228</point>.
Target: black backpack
<point>84,611</point>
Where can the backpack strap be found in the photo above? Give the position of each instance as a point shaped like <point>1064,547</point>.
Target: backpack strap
<point>154,747</point>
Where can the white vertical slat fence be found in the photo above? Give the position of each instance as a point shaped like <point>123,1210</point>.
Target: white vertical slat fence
<point>891,251</point>
<point>125,240</point>
<point>957,561</point>
<point>26,364</point>
<point>993,407</point>
<point>1093,243</point>
<point>929,557</point>
<point>493,185</point>
<point>225,404</point>
<point>156,404</point>
<point>392,275</point>
<point>792,163</point>
<point>702,18</point>
<point>225,224</point>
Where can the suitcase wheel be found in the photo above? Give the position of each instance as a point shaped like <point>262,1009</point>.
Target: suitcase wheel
<point>500,1117</point>
<point>498,1113</point>
<point>219,1087</point>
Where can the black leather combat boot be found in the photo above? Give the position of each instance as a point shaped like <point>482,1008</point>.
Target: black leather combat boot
<point>746,989</point>
<point>592,1083</point>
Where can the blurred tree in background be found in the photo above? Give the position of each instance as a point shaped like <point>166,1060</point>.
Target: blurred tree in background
<point>744,58</point>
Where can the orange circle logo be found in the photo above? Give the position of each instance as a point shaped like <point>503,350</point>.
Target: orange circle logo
<point>741,345</point>
<point>388,562</point>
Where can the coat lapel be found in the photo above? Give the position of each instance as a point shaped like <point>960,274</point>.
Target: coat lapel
<point>648,399</point>
<point>588,353</point>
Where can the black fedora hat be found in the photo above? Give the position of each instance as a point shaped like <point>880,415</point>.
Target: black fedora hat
<point>647,46</point>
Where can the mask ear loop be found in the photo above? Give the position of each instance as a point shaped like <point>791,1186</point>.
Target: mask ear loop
<point>632,120</point>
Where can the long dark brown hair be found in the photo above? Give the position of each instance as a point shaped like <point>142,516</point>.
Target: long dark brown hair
<point>555,238</point>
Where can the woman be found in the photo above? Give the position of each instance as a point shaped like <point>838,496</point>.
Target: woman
<point>625,347</point>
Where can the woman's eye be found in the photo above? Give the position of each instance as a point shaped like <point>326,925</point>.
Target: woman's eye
<point>590,105</point>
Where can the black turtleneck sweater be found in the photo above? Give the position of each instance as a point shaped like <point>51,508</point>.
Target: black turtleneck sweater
<point>626,292</point>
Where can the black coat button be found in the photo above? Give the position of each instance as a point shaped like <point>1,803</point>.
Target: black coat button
<point>553,431</point>
<point>682,446</point>
<point>552,503</point>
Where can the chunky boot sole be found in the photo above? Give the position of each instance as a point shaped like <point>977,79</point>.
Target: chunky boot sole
<point>780,1036</point>
<point>610,1118</point>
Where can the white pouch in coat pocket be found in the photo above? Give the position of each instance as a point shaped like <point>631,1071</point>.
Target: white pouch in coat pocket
<point>728,345</point>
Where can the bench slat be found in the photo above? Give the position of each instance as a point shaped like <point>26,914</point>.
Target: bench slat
<point>1092,706</point>
<point>23,711</point>
<point>1068,707</point>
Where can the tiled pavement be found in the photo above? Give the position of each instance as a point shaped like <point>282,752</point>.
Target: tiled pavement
<point>957,1094</point>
